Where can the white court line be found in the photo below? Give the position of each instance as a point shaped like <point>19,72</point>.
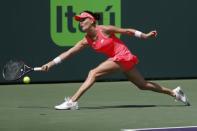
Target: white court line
<point>143,129</point>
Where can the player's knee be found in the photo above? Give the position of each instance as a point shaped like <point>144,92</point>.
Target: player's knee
<point>93,74</point>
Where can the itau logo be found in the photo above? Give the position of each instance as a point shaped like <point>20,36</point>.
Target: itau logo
<point>65,31</point>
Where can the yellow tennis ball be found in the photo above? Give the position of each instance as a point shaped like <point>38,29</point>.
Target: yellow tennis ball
<point>26,79</point>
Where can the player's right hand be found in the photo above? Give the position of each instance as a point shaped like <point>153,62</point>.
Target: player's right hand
<point>46,67</point>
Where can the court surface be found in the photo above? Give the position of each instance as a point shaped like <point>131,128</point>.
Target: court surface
<point>107,106</point>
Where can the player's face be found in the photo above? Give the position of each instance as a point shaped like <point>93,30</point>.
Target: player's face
<point>86,23</point>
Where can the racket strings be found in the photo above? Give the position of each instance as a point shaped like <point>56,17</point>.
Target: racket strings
<point>13,70</point>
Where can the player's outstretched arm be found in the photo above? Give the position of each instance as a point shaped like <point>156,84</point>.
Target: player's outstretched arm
<point>129,31</point>
<point>65,55</point>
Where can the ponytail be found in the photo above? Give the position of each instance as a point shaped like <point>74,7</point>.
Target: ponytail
<point>95,15</point>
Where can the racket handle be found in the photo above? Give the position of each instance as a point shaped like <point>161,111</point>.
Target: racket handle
<point>37,69</point>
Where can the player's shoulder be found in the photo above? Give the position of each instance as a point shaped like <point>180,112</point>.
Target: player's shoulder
<point>106,28</point>
<point>109,28</point>
<point>84,41</point>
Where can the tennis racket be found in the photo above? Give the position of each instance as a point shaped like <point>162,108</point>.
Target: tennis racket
<point>14,70</point>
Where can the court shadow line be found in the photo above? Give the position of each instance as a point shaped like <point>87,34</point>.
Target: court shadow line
<point>105,107</point>
<point>129,106</point>
<point>34,107</point>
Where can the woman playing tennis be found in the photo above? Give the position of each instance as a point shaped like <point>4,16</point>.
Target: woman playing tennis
<point>102,39</point>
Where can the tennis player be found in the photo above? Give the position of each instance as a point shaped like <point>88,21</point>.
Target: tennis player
<point>103,40</point>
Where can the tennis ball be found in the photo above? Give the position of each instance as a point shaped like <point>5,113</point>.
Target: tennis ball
<point>26,79</point>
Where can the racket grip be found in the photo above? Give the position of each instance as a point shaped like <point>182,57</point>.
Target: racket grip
<point>37,68</point>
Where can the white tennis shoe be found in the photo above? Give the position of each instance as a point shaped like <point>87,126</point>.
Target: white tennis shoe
<point>68,104</point>
<point>180,96</point>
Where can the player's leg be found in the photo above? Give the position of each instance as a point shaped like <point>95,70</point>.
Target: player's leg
<point>103,69</point>
<point>135,77</point>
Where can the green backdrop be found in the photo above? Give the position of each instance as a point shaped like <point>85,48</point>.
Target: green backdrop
<point>25,35</point>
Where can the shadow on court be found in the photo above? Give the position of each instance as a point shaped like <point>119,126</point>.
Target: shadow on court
<point>130,106</point>
<point>104,107</point>
<point>34,107</point>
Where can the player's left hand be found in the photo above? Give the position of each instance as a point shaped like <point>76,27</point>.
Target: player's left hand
<point>152,34</point>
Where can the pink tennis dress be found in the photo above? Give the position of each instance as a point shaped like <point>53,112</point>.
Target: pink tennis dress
<point>113,48</point>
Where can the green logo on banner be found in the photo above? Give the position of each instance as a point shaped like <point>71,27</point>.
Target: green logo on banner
<point>65,31</point>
